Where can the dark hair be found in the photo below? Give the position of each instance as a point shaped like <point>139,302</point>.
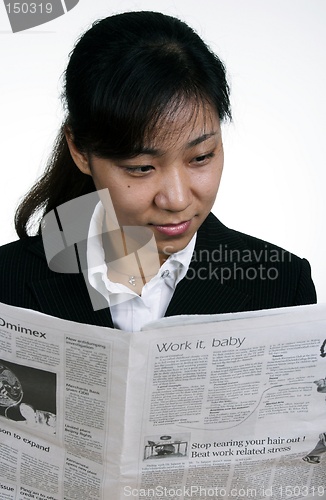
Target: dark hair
<point>123,75</point>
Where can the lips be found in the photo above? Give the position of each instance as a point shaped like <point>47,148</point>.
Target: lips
<point>173,229</point>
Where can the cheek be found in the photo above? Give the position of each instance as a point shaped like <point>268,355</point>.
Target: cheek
<point>119,194</point>
<point>217,176</point>
<point>207,185</point>
<point>130,203</point>
<point>100,177</point>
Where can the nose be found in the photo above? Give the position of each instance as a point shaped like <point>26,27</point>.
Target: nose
<point>174,191</point>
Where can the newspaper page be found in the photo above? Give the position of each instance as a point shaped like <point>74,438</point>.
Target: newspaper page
<point>231,409</point>
<point>225,407</point>
<point>60,411</point>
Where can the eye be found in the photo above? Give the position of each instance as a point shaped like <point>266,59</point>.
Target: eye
<point>203,159</point>
<point>139,170</point>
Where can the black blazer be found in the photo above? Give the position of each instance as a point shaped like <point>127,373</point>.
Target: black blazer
<point>230,272</point>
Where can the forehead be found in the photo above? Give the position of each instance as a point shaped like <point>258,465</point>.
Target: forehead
<point>181,125</point>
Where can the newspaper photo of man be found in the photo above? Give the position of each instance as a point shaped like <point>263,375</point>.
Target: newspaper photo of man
<point>28,396</point>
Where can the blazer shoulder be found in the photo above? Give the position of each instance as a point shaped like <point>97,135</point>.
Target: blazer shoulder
<point>258,266</point>
<point>21,262</point>
<point>216,233</point>
<point>21,252</point>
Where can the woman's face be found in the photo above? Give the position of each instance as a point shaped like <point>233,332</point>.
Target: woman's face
<point>170,187</point>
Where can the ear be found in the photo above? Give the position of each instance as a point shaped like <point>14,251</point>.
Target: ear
<point>80,159</point>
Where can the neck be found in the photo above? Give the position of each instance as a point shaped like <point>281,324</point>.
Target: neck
<point>131,256</point>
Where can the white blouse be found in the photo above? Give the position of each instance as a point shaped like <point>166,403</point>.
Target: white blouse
<point>129,310</point>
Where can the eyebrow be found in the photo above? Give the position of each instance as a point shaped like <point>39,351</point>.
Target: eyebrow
<point>200,139</point>
<point>190,144</point>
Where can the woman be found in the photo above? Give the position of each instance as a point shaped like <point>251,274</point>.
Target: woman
<point>145,98</point>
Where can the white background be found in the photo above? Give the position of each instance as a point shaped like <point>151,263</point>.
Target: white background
<point>274,178</point>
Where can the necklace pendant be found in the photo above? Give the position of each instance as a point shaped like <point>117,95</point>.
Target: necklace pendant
<point>132,280</point>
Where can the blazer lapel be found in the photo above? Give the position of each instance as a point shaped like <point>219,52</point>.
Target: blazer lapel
<point>205,289</point>
<point>66,295</point>
<point>205,296</point>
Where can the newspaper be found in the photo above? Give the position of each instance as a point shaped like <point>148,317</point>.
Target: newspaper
<point>228,406</point>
